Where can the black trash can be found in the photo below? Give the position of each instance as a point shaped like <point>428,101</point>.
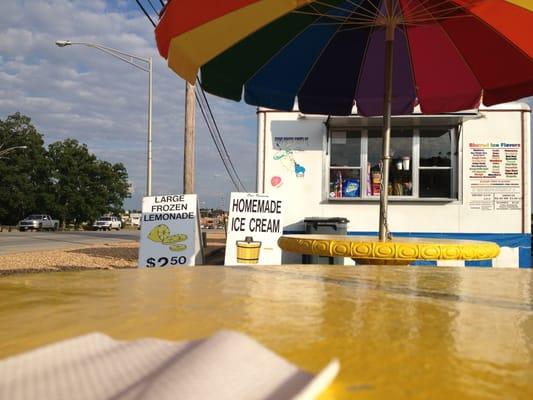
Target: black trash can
<point>324,226</point>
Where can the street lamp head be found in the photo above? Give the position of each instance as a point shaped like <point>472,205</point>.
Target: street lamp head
<point>63,43</point>
<point>5,152</point>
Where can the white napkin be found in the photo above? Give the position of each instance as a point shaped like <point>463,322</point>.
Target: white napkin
<point>228,365</point>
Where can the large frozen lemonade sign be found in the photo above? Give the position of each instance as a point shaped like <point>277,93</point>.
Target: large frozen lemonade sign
<point>169,234</point>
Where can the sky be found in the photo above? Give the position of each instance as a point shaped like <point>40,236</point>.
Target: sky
<point>79,92</point>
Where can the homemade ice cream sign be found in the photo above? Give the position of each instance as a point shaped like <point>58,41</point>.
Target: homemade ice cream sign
<point>254,226</point>
<point>169,231</point>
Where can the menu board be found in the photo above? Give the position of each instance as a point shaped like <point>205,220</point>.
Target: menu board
<point>494,174</point>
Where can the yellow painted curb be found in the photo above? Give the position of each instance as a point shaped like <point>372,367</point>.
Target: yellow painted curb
<point>399,251</point>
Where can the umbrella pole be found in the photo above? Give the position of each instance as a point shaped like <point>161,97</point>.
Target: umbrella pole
<point>384,192</point>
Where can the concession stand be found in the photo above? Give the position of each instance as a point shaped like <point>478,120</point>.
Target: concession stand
<point>463,175</point>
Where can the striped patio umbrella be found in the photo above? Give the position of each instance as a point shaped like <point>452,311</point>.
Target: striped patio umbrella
<point>384,56</point>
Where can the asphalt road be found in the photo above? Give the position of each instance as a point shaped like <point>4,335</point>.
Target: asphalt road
<point>15,242</point>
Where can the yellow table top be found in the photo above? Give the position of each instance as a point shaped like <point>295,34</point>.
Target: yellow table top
<point>397,251</point>
<point>399,332</point>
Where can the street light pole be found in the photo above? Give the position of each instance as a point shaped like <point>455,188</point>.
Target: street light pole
<point>132,60</point>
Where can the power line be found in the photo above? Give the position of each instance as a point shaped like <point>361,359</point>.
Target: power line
<point>213,137</point>
<point>208,116</point>
<point>216,140</point>
<point>145,12</point>
<point>219,136</point>
<point>164,6</point>
<point>151,5</point>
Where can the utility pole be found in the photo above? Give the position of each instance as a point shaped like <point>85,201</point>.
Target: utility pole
<point>149,139</point>
<point>188,150</point>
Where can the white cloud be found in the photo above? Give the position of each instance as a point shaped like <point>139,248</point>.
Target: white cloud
<point>82,93</point>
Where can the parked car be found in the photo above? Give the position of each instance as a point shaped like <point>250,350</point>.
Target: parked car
<point>107,223</point>
<point>38,222</point>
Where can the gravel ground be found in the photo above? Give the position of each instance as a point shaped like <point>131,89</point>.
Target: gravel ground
<point>103,256</point>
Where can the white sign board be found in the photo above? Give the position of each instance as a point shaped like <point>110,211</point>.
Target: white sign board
<point>254,226</point>
<point>169,231</point>
<point>495,178</point>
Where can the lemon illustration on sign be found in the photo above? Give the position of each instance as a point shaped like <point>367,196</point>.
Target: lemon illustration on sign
<point>161,234</point>
<point>177,247</point>
<point>180,237</point>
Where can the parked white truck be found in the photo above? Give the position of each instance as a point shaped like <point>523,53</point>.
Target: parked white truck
<point>107,223</point>
<point>38,222</point>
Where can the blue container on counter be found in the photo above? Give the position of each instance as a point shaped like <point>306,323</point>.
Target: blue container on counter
<point>351,188</point>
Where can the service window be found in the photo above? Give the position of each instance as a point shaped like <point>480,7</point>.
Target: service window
<point>423,164</point>
<point>435,170</point>
<point>345,165</point>
<point>400,168</point>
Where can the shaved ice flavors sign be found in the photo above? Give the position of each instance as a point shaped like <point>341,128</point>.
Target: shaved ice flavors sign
<point>494,176</point>
<point>254,226</point>
<point>169,234</point>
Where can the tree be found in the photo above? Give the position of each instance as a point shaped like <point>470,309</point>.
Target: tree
<point>114,185</point>
<point>66,181</point>
<point>24,172</point>
<point>85,187</point>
